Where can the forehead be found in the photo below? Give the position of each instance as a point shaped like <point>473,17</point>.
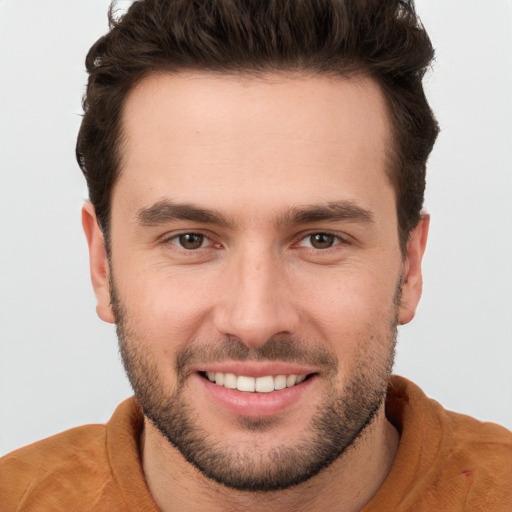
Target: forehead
<point>199,137</point>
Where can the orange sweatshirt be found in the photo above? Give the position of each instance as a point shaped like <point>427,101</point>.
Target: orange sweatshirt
<point>445,462</point>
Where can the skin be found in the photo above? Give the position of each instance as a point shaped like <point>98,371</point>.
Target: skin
<point>255,151</point>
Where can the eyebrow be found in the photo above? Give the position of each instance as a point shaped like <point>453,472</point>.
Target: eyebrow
<point>167,210</point>
<point>332,211</point>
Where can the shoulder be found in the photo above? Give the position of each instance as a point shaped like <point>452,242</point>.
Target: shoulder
<point>485,446</point>
<point>470,431</point>
<point>450,458</point>
<point>51,462</point>
<point>481,452</point>
<point>89,468</point>
<point>57,449</point>
<point>410,409</point>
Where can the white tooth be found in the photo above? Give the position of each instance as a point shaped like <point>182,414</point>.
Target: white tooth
<point>291,380</point>
<point>211,376</point>
<point>300,378</point>
<point>219,378</point>
<point>265,384</point>
<point>280,382</point>
<point>244,383</point>
<point>230,381</point>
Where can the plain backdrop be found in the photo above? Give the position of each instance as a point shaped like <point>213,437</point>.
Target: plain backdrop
<point>59,365</point>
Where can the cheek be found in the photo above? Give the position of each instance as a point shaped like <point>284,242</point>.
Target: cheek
<point>165,308</point>
<point>161,315</point>
<point>353,308</point>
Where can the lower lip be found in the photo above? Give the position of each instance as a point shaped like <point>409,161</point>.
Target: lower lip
<point>256,405</point>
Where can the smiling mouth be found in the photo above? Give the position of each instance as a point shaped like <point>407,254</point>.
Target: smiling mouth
<point>265,384</point>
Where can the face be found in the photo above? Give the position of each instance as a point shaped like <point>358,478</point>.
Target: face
<point>255,272</point>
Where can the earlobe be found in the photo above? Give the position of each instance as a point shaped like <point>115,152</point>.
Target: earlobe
<point>412,281</point>
<point>98,263</point>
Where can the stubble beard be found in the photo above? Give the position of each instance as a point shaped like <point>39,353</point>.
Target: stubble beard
<point>340,420</point>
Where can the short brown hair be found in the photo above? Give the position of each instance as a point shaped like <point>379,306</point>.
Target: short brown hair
<point>383,39</point>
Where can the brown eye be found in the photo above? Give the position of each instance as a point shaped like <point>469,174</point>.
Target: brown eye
<point>322,240</point>
<point>191,241</point>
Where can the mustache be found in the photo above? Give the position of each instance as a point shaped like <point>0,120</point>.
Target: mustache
<point>278,348</point>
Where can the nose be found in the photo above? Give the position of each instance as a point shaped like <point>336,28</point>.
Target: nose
<point>256,300</point>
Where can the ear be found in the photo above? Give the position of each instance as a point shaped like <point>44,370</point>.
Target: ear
<point>412,281</point>
<point>98,263</point>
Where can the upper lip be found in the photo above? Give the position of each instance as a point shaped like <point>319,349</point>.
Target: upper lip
<point>256,368</point>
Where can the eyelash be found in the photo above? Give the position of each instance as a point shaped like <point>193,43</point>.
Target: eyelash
<point>175,240</point>
<point>338,240</point>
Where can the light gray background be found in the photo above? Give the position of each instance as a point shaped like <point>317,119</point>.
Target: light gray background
<point>58,362</point>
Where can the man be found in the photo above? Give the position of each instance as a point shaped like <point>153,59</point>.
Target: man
<point>256,176</point>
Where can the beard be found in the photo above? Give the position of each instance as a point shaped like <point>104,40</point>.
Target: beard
<point>339,422</point>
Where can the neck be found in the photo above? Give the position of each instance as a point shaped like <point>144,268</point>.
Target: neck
<point>346,485</point>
